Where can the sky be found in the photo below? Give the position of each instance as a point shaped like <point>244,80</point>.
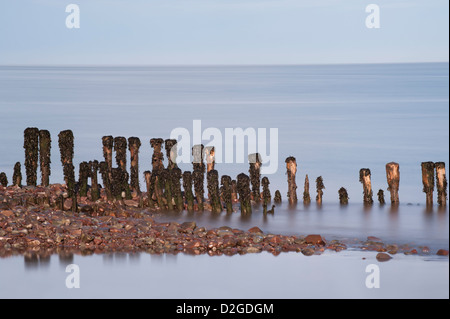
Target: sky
<point>222,32</point>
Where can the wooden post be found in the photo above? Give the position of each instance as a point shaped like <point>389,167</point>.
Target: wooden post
<point>159,183</point>
<point>31,146</point>
<point>291,170</point>
<point>267,197</point>
<point>157,157</point>
<point>441,184</point>
<point>393,179</point>
<point>213,191</point>
<point>198,174</point>
<point>234,196</point>
<point>117,183</point>
<point>171,153</point>
<point>210,158</point>
<point>225,192</point>
<point>83,178</point>
<point>380,195</point>
<point>243,188</point>
<point>364,178</point>
<point>255,175</point>
<point>107,179</point>
<point>167,182</point>
<point>66,146</point>
<point>319,187</point>
<point>306,195</point>
<point>3,179</point>
<point>175,173</point>
<point>148,182</point>
<point>187,186</point>
<point>95,191</point>
<point>428,181</point>
<point>120,147</point>
<point>277,197</point>
<point>343,196</point>
<point>108,142</point>
<point>17,176</point>
<point>134,143</point>
<point>44,156</point>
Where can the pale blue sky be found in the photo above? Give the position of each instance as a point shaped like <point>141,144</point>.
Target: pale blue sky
<point>160,32</point>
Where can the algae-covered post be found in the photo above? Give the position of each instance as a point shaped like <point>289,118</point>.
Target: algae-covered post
<point>157,157</point>
<point>187,186</point>
<point>428,180</point>
<point>255,175</point>
<point>175,173</point>
<point>31,146</point>
<point>234,196</point>
<point>17,175</point>
<point>267,197</point>
<point>243,188</point>
<point>213,191</point>
<point>364,178</point>
<point>343,196</point>
<point>83,178</point>
<point>107,180</point>
<point>118,176</point>
<point>108,142</point>
<point>306,194</point>
<point>167,182</point>
<point>393,180</point>
<point>93,169</point>
<point>120,147</point>
<point>171,153</point>
<point>210,158</point>
<point>66,146</point>
<point>319,188</point>
<point>134,143</point>
<point>225,192</point>
<point>198,174</point>
<point>148,183</point>
<point>380,195</point>
<point>44,156</point>
<point>277,197</point>
<point>291,170</point>
<point>441,184</point>
<point>3,179</point>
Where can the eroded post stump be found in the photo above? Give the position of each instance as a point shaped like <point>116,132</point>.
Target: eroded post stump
<point>95,191</point>
<point>393,180</point>
<point>243,189</point>
<point>343,196</point>
<point>83,178</point>
<point>364,178</point>
<point>213,191</point>
<point>291,170</point>
<point>306,194</point>
<point>107,180</point>
<point>277,198</point>
<point>17,175</point>
<point>31,146</point>
<point>134,143</point>
<point>44,156</point>
<point>66,148</point>
<point>198,174</point>
<point>210,158</point>
<point>225,192</point>
<point>171,153</point>
<point>255,175</point>
<point>267,197</point>
<point>157,157</point>
<point>428,181</point>
<point>3,179</point>
<point>319,188</point>
<point>441,184</point>
<point>380,195</point>
<point>187,186</point>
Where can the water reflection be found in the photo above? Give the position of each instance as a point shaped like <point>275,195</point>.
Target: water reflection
<point>34,260</point>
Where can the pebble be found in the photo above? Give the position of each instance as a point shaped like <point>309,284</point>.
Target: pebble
<point>382,257</point>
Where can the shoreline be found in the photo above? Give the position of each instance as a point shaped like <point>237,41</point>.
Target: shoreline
<point>31,223</point>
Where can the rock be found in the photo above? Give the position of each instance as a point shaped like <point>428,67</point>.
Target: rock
<point>252,250</point>
<point>373,238</point>
<point>308,251</point>
<point>381,257</point>
<point>315,240</point>
<point>7,213</point>
<point>255,230</point>
<point>258,239</point>
<point>131,203</point>
<point>442,252</point>
<point>224,232</point>
<point>188,227</point>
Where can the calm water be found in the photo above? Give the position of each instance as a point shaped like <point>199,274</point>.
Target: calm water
<point>333,119</point>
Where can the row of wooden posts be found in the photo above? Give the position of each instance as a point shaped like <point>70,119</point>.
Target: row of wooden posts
<point>163,184</point>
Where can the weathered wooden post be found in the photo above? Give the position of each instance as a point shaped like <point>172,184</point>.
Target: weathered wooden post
<point>393,179</point>
<point>364,178</point>
<point>66,146</point>
<point>44,156</point>
<point>319,188</point>
<point>157,157</point>
<point>108,142</point>
<point>3,179</point>
<point>175,173</point>
<point>159,183</point>
<point>83,178</point>
<point>255,175</point>
<point>441,184</point>
<point>117,183</point>
<point>306,194</point>
<point>17,175</point>
<point>171,153</point>
<point>134,143</point>
<point>343,196</point>
<point>291,170</point>
<point>107,180</point>
<point>31,146</point>
<point>225,192</point>
<point>234,196</point>
<point>198,174</point>
<point>277,198</point>
<point>187,186</point>
<point>267,197</point>
<point>148,182</point>
<point>428,181</point>
<point>210,158</point>
<point>167,182</point>
<point>213,191</point>
<point>93,169</point>
<point>380,195</point>
<point>243,189</point>
<point>120,147</point>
